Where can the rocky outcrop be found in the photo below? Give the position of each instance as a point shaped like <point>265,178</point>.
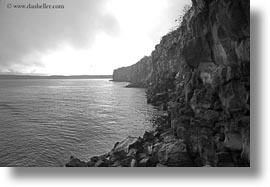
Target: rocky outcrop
<point>138,75</point>
<point>159,148</point>
<point>202,69</point>
<point>199,75</point>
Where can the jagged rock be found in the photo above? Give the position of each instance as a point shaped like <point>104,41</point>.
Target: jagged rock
<point>118,156</point>
<point>116,164</point>
<point>132,152</point>
<point>75,162</point>
<point>94,159</point>
<point>138,145</point>
<point>173,109</point>
<point>124,145</point>
<point>200,74</point>
<point>146,162</point>
<point>161,127</point>
<point>126,162</point>
<point>167,136</point>
<point>179,124</point>
<point>180,132</point>
<point>90,164</point>
<point>233,142</point>
<point>234,97</point>
<point>102,163</point>
<point>174,154</point>
<point>142,156</point>
<point>211,116</point>
<point>121,149</point>
<point>148,136</point>
<point>158,99</point>
<point>220,147</point>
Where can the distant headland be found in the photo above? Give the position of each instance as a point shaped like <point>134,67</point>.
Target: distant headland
<point>5,77</point>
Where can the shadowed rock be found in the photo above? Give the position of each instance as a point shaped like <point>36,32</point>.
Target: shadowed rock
<point>199,75</point>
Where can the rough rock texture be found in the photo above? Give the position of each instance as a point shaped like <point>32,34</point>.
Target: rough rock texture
<point>199,75</point>
<point>203,68</point>
<point>138,74</point>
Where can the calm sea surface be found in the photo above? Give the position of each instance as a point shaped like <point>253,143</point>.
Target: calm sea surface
<point>44,122</point>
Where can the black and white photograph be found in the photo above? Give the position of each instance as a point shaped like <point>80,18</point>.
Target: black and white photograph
<point>125,83</point>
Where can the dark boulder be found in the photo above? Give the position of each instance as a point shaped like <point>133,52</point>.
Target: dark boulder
<point>75,162</point>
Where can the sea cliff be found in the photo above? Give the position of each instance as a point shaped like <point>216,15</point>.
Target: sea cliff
<point>199,75</point>
<point>138,74</point>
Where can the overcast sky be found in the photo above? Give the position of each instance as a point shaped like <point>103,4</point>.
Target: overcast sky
<point>86,37</point>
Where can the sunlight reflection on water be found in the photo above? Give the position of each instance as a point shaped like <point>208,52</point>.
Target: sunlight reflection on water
<point>44,122</point>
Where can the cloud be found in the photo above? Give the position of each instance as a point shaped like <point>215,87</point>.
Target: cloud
<point>86,37</point>
<point>27,33</point>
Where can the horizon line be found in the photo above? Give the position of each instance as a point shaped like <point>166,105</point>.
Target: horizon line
<point>14,76</point>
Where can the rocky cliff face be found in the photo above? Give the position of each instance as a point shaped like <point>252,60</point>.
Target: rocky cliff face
<point>138,74</point>
<point>199,75</point>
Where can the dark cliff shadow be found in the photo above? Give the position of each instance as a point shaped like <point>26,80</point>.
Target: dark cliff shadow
<point>199,173</point>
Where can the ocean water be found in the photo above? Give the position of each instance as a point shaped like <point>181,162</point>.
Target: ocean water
<point>44,122</point>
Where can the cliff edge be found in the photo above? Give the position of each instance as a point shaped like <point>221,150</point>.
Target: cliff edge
<point>199,74</point>
<point>138,74</point>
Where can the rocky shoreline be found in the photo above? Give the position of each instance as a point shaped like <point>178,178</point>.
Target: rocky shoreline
<point>165,147</point>
<point>199,75</point>
<point>158,148</point>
